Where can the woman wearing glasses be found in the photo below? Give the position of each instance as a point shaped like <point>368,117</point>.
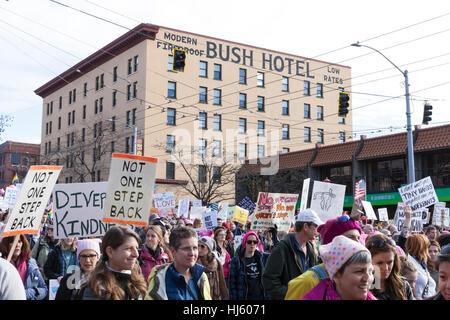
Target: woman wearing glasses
<point>389,284</point>
<point>246,270</point>
<point>88,253</point>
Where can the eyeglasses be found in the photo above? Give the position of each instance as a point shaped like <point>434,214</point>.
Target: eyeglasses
<point>87,256</point>
<point>252,241</point>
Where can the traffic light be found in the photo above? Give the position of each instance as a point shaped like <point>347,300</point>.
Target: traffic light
<point>343,104</point>
<point>179,60</point>
<point>427,113</point>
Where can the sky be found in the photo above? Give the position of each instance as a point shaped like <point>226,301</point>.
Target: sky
<point>40,39</point>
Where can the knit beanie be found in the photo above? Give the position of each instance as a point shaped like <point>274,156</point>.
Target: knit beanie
<point>338,252</point>
<point>335,227</point>
<point>86,244</point>
<point>209,242</point>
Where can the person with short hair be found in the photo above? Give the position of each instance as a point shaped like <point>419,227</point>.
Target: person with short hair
<point>432,232</point>
<point>444,274</point>
<point>349,265</point>
<point>292,256</point>
<point>117,275</point>
<point>182,279</point>
<point>33,282</point>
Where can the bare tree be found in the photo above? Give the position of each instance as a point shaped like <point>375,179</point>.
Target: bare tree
<point>5,121</point>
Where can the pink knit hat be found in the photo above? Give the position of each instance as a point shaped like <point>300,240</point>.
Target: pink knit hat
<point>244,240</point>
<point>339,251</point>
<point>86,244</point>
<point>335,227</point>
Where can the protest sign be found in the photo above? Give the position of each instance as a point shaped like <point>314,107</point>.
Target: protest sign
<point>419,194</point>
<point>238,240</point>
<point>222,214</point>
<point>164,200</point>
<point>130,189</point>
<point>197,203</point>
<point>370,214</point>
<point>183,207</point>
<point>274,208</point>
<point>305,192</point>
<point>327,199</point>
<point>10,197</point>
<point>230,212</point>
<point>78,210</point>
<point>209,219</point>
<point>240,215</point>
<point>416,219</point>
<point>197,212</point>
<point>441,215</point>
<point>383,214</point>
<point>27,213</point>
<point>52,288</point>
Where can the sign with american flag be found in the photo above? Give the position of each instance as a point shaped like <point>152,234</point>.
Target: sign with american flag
<point>360,192</point>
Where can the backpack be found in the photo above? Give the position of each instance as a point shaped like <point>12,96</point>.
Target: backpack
<point>320,272</point>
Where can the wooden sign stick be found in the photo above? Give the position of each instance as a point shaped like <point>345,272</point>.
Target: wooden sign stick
<point>13,247</point>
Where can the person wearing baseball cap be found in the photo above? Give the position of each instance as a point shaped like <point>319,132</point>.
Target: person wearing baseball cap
<point>342,225</point>
<point>292,256</point>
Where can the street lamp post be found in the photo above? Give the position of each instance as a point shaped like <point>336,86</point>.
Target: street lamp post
<point>129,126</point>
<point>411,170</point>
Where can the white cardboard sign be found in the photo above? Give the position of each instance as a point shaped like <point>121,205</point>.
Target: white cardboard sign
<point>383,214</point>
<point>183,207</point>
<point>419,194</point>
<point>209,219</point>
<point>328,199</point>
<point>369,210</point>
<point>165,200</point>
<point>305,192</point>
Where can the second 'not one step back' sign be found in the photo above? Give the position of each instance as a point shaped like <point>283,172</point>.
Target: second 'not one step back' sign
<point>130,189</point>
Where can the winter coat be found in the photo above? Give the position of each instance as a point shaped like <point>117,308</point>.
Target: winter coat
<point>55,266</point>
<point>157,283</point>
<point>147,261</point>
<point>423,279</point>
<point>408,293</point>
<point>238,281</point>
<point>40,253</point>
<point>32,272</point>
<point>283,266</point>
<point>325,291</point>
<point>122,278</point>
<point>64,293</point>
<point>11,285</point>
<point>217,286</point>
<point>298,287</point>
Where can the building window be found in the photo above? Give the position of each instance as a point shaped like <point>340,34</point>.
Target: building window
<point>261,151</point>
<point>285,150</point>
<point>242,125</point>
<point>128,117</point>
<point>97,83</point>
<point>130,66</point>
<point>83,134</point>
<point>60,102</point>
<point>217,122</point>
<point>69,117</point>
<point>307,134</point>
<point>59,123</point>
<point>129,92</point>
<point>216,174</point>
<point>242,76</point>
<point>217,97</point>
<point>170,63</point>
<point>217,147</point>
<point>170,143</point>
<point>134,111</point>
<point>203,120</point>
<point>261,126</point>
<point>102,84</point>
<point>261,103</point>
<point>114,98</point>
<point>113,147</point>
<point>341,137</point>
<point>113,124</point>
<point>127,145</point>
<point>203,95</point>
<point>73,120</point>
<point>100,105</point>
<point>307,111</point>
<point>319,113</point>
<point>170,170</point>
<point>58,144</point>
<point>306,88</point>
<point>74,97</point>
<point>84,112</point>
<point>98,176</point>
<point>136,63</point>
<point>285,107</point>
<point>70,99</point>
<point>285,131</point>
<point>285,84</point>
<point>217,71</point>
<point>243,100</point>
<point>203,69</point>
<point>171,116</point>
<point>320,138</point>
<point>242,150</point>
<point>171,89</point>
<point>202,147</point>
<point>85,89</point>
<point>115,74</point>
<point>15,158</point>
<point>319,90</point>
<point>135,89</point>
<point>260,79</point>
<point>201,173</point>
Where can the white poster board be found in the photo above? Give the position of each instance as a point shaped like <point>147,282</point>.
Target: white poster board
<point>416,219</point>
<point>78,210</point>
<point>10,197</point>
<point>183,208</point>
<point>222,213</point>
<point>419,194</point>
<point>52,288</point>
<point>209,219</point>
<point>383,214</point>
<point>305,192</point>
<point>165,200</point>
<point>437,215</point>
<point>327,199</point>
<point>370,214</point>
<point>197,212</point>
<point>36,190</point>
<point>130,189</point>
<point>197,203</point>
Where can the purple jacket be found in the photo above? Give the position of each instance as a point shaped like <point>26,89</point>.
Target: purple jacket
<point>318,292</point>
<point>147,262</point>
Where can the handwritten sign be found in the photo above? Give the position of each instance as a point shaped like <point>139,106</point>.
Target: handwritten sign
<point>230,212</point>
<point>223,210</point>
<point>440,211</point>
<point>78,210</point>
<point>10,196</point>
<point>419,194</point>
<point>183,207</point>
<point>27,213</point>
<point>369,210</point>
<point>240,215</point>
<point>164,200</point>
<point>274,208</point>
<point>210,219</point>
<point>416,219</point>
<point>197,212</point>
<point>197,203</point>
<point>383,214</point>
<point>130,189</point>
<point>327,199</point>
<point>305,192</point>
